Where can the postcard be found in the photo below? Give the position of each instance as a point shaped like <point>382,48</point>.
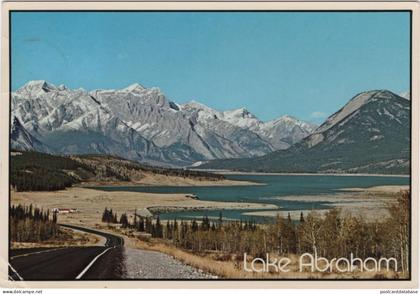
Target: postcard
<point>215,143</point>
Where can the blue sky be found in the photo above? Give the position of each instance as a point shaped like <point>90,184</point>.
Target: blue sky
<point>302,64</point>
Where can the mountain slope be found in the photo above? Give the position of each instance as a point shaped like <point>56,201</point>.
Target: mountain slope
<point>137,123</point>
<point>370,134</point>
<point>280,133</point>
<point>177,129</point>
<point>285,131</point>
<point>35,171</point>
<point>222,136</point>
<point>73,122</point>
<point>22,139</point>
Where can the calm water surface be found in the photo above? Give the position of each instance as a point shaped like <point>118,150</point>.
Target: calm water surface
<point>273,186</point>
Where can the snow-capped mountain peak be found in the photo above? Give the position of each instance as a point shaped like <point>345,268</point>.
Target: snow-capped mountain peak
<point>286,117</point>
<point>134,87</point>
<point>241,117</point>
<point>282,119</point>
<point>288,121</point>
<point>369,134</point>
<point>238,113</point>
<point>37,87</point>
<point>39,83</point>
<point>142,124</point>
<point>193,104</point>
<point>62,87</point>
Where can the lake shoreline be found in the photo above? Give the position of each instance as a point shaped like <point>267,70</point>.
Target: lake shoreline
<point>231,172</point>
<point>167,183</point>
<point>354,200</point>
<point>370,203</point>
<point>149,203</point>
<point>90,203</point>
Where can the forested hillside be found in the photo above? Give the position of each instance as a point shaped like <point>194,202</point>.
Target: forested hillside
<point>370,134</point>
<point>34,171</point>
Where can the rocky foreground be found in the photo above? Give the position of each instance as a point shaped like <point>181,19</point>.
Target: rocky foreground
<point>143,264</point>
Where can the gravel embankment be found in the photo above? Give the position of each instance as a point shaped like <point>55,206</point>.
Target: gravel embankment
<point>143,264</point>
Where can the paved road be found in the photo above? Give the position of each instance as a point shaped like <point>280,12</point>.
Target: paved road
<point>70,263</point>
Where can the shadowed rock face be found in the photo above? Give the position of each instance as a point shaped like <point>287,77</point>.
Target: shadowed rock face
<point>370,134</point>
<point>142,124</point>
<point>21,139</point>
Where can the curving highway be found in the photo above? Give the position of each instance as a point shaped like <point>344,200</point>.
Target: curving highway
<point>70,263</point>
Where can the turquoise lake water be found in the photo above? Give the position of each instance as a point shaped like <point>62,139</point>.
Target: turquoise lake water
<point>274,186</point>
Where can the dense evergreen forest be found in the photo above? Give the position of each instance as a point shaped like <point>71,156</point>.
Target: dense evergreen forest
<point>35,171</point>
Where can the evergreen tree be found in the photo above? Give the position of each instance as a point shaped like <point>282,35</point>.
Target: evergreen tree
<point>302,219</point>
<point>158,230</point>
<point>124,220</point>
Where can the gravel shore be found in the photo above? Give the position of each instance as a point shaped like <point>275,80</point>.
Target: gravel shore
<point>143,264</point>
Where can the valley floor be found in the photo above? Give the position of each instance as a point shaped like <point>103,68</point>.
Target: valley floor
<point>369,203</point>
<point>174,262</point>
<point>90,203</point>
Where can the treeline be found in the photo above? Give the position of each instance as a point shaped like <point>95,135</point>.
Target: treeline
<point>124,168</point>
<point>105,167</point>
<point>329,236</point>
<point>28,224</point>
<point>40,179</point>
<point>141,224</point>
<point>34,171</point>
<point>185,173</point>
<point>109,217</point>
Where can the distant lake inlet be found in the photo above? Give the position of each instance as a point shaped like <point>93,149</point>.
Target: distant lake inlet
<point>273,187</point>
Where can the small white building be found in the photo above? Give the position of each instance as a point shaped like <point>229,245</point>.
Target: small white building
<point>64,210</point>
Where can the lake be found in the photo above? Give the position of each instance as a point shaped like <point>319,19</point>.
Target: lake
<point>273,186</point>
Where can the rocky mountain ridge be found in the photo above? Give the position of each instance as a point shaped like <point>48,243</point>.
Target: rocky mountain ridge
<point>141,124</point>
<point>370,134</point>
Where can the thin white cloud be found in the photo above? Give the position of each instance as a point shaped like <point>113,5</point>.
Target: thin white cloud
<point>318,114</point>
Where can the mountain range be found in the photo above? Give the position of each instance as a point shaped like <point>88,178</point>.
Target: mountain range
<point>370,134</point>
<point>141,124</point>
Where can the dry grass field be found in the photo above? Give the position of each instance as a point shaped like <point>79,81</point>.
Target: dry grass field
<point>90,203</point>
